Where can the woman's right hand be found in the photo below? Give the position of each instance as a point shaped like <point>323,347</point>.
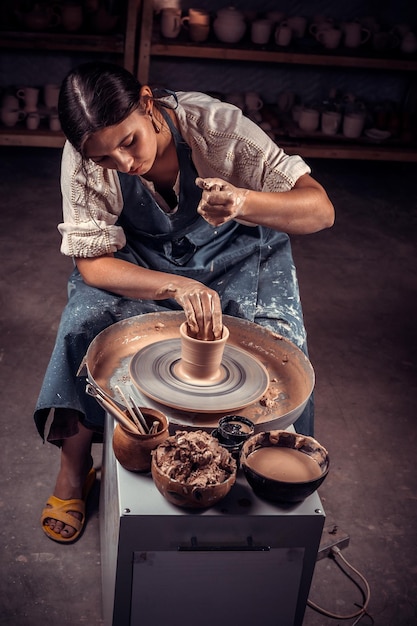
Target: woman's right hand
<point>201,306</point>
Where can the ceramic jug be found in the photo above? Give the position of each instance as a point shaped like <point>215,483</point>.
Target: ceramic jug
<point>10,117</point>
<point>102,21</point>
<point>72,17</point>
<point>10,112</point>
<point>229,25</point>
<point>41,17</point>
<point>409,43</point>
<point>134,451</point>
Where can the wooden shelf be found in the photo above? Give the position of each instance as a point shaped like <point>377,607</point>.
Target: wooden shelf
<point>62,41</point>
<point>318,145</point>
<point>291,57</point>
<point>122,45</point>
<point>357,152</point>
<point>308,54</point>
<point>32,138</point>
<point>304,147</point>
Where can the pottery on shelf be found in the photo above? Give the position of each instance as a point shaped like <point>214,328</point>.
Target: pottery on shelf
<point>229,25</point>
<point>41,17</point>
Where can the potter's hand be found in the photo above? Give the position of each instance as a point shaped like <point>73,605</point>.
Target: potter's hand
<point>220,201</point>
<point>202,309</point>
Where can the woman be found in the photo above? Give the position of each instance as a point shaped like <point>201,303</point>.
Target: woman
<point>170,201</point>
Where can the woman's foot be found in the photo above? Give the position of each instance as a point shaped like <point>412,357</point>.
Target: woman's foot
<point>66,490</point>
<point>76,462</point>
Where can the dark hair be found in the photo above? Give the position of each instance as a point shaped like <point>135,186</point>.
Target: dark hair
<point>93,96</point>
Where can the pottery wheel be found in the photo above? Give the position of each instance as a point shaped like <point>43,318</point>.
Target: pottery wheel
<point>291,376</point>
<point>243,379</point>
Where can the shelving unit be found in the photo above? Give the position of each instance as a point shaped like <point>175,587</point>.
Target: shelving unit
<point>151,46</point>
<point>120,44</point>
<point>210,51</point>
<point>139,42</point>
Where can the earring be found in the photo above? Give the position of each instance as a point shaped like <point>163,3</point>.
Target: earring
<point>157,128</point>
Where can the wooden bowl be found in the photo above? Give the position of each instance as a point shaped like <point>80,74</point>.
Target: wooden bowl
<point>185,491</point>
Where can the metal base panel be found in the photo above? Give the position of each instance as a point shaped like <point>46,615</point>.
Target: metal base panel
<point>244,560</point>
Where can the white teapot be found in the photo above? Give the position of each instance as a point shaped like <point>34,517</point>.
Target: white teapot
<point>229,25</point>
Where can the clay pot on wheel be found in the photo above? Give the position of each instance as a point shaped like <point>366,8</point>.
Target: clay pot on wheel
<point>200,361</point>
<point>133,451</point>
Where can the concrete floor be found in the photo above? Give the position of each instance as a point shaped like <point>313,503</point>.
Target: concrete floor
<point>359,288</point>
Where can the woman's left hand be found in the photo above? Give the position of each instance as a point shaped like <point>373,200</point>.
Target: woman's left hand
<point>220,201</point>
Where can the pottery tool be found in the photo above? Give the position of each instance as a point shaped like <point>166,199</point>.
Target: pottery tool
<point>137,411</point>
<point>132,410</point>
<point>111,407</point>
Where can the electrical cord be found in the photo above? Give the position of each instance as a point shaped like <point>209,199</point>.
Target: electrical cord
<point>336,552</point>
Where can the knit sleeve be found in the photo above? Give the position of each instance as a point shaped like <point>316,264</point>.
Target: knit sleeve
<point>91,201</point>
<point>228,145</point>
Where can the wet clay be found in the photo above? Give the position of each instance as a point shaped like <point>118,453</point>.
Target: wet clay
<point>201,360</point>
<point>284,464</point>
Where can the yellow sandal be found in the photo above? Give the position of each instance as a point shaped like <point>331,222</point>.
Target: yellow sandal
<point>59,509</point>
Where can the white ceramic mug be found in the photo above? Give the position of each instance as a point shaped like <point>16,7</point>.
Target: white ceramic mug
<point>33,120</point>
<point>330,38</point>
<point>382,41</point>
<point>296,112</point>
<point>10,101</point>
<point>54,123</point>
<point>170,23</point>
<point>355,34</point>
<point>298,25</point>
<point>196,16</point>
<point>330,122</point>
<point>320,22</point>
<point>253,102</point>
<point>198,24</point>
<point>353,124</point>
<point>261,31</point>
<point>72,17</point>
<point>158,5</point>
<point>51,95</point>
<point>409,43</point>
<point>10,116</point>
<point>283,35</point>
<point>309,120</point>
<point>285,101</point>
<point>236,98</point>
<point>402,29</point>
<point>276,17</point>
<point>199,32</point>
<point>371,23</point>
<point>30,96</point>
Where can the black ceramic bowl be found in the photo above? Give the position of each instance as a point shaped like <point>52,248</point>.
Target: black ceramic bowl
<point>282,466</point>
<point>235,428</point>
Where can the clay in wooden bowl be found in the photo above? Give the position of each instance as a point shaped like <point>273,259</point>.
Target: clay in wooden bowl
<point>192,470</point>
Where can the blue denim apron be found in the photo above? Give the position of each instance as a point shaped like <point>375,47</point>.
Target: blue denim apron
<point>250,267</point>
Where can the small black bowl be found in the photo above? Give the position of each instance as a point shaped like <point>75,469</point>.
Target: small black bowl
<point>265,483</point>
<point>236,428</point>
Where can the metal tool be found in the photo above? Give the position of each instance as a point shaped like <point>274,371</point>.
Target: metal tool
<point>111,407</point>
